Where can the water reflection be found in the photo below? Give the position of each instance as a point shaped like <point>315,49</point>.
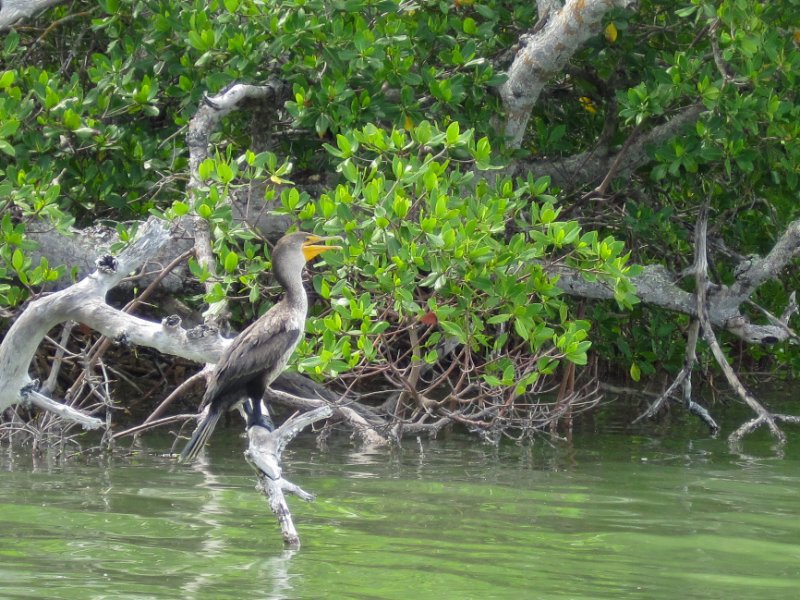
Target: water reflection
<point>610,517</point>
<point>214,542</point>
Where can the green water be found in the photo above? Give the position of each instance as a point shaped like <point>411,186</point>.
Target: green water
<point>614,516</point>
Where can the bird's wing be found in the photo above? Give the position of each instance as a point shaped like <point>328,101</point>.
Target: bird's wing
<point>256,349</point>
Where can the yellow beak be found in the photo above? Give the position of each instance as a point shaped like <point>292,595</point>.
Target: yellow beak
<point>314,246</point>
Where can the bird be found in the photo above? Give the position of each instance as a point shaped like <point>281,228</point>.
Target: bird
<point>260,353</point>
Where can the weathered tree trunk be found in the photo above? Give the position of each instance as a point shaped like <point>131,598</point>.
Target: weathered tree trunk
<point>545,53</point>
<point>84,302</point>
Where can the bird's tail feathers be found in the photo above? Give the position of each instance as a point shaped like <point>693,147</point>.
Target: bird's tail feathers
<point>200,436</point>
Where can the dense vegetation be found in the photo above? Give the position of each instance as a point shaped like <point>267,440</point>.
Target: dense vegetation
<point>391,135</point>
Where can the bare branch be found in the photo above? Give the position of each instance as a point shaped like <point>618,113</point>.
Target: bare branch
<point>62,410</point>
<point>205,122</point>
<point>264,455</point>
<point>359,424</point>
<point>759,270</point>
<point>152,424</point>
<point>701,276</point>
<point>656,286</point>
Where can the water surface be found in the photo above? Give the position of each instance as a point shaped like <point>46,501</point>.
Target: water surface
<point>616,515</point>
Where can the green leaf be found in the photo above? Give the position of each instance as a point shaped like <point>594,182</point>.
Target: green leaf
<point>454,330</point>
<point>231,262</point>
<point>71,119</point>
<point>204,210</point>
<point>17,260</point>
<point>492,380</point>
<point>344,145</point>
<point>501,318</point>
<point>423,132</point>
<point>8,128</point>
<point>401,206</point>
<point>521,328</point>
<point>205,168</point>
<point>349,170</point>
<point>180,208</point>
<point>12,41</point>
<point>7,148</point>
<point>6,79</point>
<point>453,131</point>
<point>225,172</point>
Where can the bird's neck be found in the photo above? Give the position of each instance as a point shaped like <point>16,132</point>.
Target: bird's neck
<point>295,293</point>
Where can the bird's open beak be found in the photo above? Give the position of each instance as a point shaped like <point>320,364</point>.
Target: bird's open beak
<point>315,245</point>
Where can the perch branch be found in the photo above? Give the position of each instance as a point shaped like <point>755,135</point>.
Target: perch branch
<point>359,424</point>
<point>264,455</point>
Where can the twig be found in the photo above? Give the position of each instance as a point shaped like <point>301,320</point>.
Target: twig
<point>783,321</point>
<point>612,172</point>
<point>176,393</point>
<point>148,425</point>
<point>57,23</point>
<point>49,385</point>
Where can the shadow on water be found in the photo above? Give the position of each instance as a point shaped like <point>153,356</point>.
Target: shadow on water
<point>619,514</point>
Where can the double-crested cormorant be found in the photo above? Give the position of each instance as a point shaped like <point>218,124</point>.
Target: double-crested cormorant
<point>260,353</point>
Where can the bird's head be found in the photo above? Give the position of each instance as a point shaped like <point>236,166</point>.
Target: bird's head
<point>295,249</point>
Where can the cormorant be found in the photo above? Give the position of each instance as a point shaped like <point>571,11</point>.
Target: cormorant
<point>260,353</point>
